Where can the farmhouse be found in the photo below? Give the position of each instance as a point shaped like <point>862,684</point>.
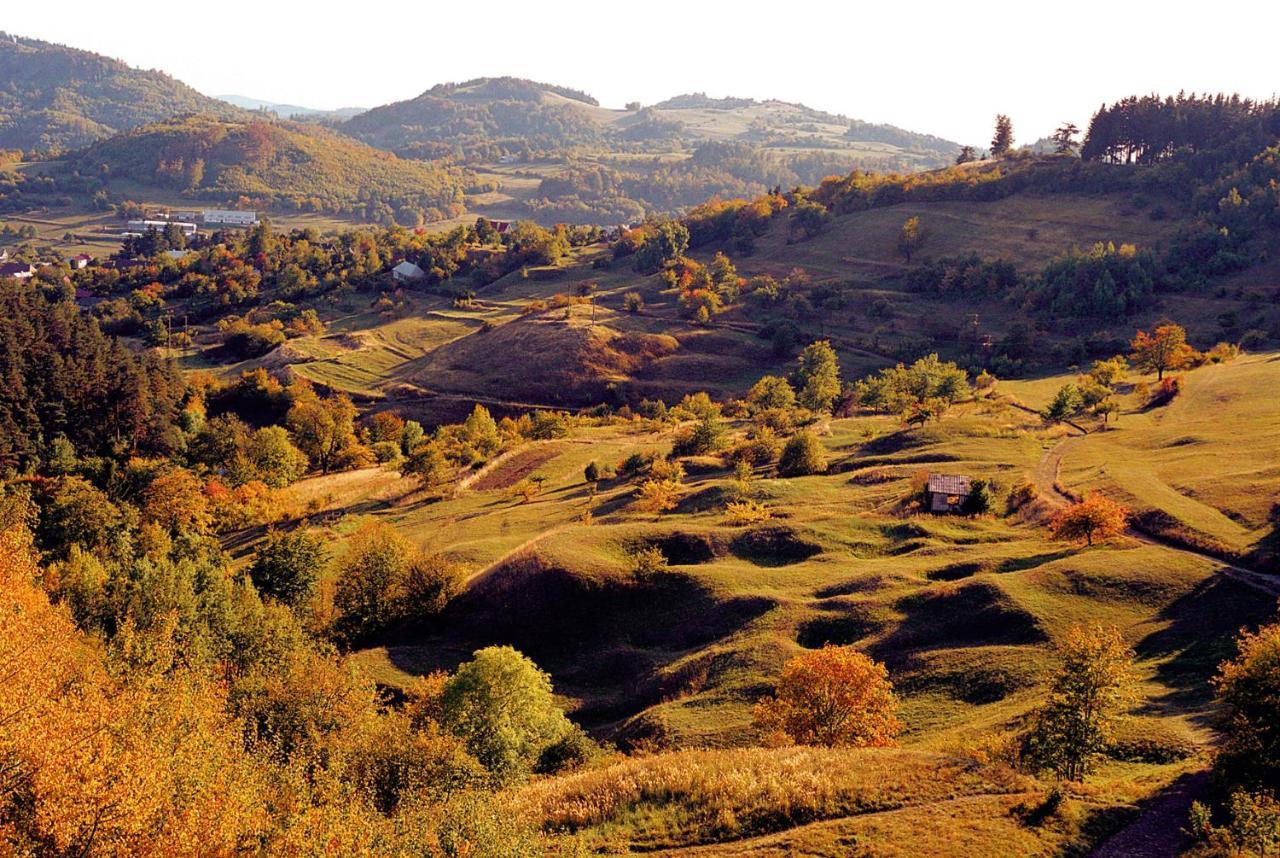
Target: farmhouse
<point>499,226</point>
<point>947,493</point>
<point>407,272</point>
<point>17,271</point>
<point>79,261</point>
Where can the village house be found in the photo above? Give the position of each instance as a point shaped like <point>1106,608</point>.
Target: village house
<point>407,272</point>
<point>499,226</point>
<point>17,271</point>
<point>947,493</point>
<point>79,262</point>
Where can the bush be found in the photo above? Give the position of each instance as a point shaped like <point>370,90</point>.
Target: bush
<point>802,457</point>
<point>648,561</point>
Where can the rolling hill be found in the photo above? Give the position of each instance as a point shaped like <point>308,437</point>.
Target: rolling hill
<point>57,98</point>
<point>556,154</point>
<point>275,164</point>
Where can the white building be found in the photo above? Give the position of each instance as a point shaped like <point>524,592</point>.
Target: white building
<point>139,227</point>
<point>407,272</point>
<point>229,217</point>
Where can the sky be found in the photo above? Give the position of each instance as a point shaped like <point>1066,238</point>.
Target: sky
<point>939,68</point>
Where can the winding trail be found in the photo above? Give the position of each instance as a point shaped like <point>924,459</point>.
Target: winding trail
<point>1045,477</point>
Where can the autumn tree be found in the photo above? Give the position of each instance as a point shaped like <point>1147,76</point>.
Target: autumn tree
<point>831,696</point>
<point>427,463</point>
<point>1002,140</point>
<point>176,501</point>
<point>324,429</point>
<point>966,155</point>
<point>771,392</point>
<point>817,378</point>
<point>1093,683</point>
<point>1164,349</point>
<point>910,237</point>
<point>1249,686</point>
<point>1095,517</point>
<point>370,588</point>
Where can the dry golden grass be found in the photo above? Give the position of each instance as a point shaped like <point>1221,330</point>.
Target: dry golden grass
<point>693,797</point>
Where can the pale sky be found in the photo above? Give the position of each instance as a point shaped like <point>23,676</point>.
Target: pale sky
<point>938,67</point>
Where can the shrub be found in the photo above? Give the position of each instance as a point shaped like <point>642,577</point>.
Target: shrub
<point>802,457</point>
<point>747,512</point>
<point>632,302</point>
<point>981,499</point>
<point>1166,390</point>
<point>648,561</point>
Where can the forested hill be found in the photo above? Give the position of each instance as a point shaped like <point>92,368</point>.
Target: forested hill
<point>277,164</point>
<point>56,98</point>
<point>489,117</point>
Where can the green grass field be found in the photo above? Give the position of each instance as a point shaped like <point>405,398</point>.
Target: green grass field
<point>963,612</point>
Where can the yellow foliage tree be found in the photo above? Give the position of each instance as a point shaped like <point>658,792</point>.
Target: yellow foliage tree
<point>832,696</point>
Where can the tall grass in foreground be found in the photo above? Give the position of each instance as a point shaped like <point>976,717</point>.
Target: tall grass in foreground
<point>704,796</point>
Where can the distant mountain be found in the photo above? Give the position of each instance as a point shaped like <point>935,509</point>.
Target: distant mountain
<point>55,98</point>
<point>276,163</point>
<point>290,111</point>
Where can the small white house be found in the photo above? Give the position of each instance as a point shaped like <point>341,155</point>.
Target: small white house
<point>17,271</point>
<point>79,262</point>
<point>407,272</point>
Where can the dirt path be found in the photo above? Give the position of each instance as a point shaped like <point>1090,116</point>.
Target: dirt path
<point>1045,477</point>
<point>1159,830</point>
<point>777,840</point>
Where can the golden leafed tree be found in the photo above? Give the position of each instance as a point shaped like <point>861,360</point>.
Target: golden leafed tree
<point>1095,517</point>
<point>1092,685</point>
<point>832,696</point>
<point>1163,349</point>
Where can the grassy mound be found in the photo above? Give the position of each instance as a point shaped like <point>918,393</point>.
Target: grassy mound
<point>548,359</point>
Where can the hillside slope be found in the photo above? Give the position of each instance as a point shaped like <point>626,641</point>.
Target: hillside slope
<point>274,163</point>
<point>57,98</point>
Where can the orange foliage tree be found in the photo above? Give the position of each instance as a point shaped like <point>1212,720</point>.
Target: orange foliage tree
<point>832,696</point>
<point>1095,517</point>
<point>1163,349</point>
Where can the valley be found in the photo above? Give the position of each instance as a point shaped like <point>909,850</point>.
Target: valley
<point>492,473</point>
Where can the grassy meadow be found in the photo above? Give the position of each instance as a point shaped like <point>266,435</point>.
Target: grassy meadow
<point>962,611</point>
